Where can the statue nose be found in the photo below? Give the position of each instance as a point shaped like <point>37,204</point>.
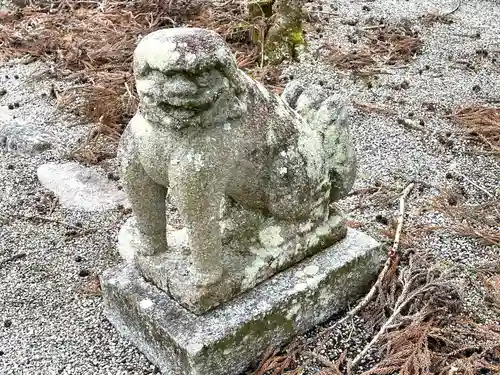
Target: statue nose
<point>180,85</point>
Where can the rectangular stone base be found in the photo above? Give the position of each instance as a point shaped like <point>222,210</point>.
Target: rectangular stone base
<point>225,341</point>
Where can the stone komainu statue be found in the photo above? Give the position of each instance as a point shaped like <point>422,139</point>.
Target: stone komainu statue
<point>250,176</point>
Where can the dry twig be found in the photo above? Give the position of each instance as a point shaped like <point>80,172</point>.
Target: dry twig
<point>424,334</point>
<point>404,195</point>
<point>372,107</point>
<point>274,363</point>
<point>475,184</point>
<point>433,17</point>
<point>50,219</point>
<point>12,258</point>
<point>390,264</point>
<point>407,296</point>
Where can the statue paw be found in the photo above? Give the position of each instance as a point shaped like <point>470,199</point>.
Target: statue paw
<point>208,278</point>
<point>151,246</point>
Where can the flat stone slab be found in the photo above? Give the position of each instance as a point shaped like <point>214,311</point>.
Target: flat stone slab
<point>81,188</point>
<point>226,340</point>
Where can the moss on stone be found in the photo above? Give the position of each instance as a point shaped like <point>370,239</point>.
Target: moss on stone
<point>258,329</point>
<point>297,37</point>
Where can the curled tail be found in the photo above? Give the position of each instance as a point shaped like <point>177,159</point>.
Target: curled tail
<point>327,114</point>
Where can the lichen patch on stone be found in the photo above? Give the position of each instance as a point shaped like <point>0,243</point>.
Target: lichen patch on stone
<point>311,270</point>
<point>299,287</point>
<point>270,237</point>
<point>145,304</point>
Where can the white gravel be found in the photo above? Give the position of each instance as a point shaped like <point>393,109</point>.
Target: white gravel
<point>50,321</point>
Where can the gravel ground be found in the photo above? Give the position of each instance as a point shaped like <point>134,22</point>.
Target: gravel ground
<point>50,314</point>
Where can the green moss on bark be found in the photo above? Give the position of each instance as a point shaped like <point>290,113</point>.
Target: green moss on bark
<point>285,33</point>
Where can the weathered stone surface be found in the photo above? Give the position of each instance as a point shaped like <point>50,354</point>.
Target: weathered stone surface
<point>80,188</point>
<point>249,177</point>
<point>247,267</point>
<point>227,339</point>
<point>19,136</point>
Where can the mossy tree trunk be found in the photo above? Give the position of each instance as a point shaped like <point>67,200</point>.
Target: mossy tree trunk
<point>285,31</point>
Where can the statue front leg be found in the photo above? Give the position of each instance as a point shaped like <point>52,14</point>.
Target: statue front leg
<point>147,199</point>
<point>198,194</point>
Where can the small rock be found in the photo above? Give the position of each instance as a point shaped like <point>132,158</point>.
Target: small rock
<point>351,22</point>
<point>482,52</point>
<point>19,136</point>
<point>71,233</point>
<point>7,323</point>
<point>382,219</point>
<point>79,187</point>
<point>452,200</point>
<point>113,177</point>
<point>84,273</point>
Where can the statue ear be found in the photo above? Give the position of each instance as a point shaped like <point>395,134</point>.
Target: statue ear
<point>233,74</point>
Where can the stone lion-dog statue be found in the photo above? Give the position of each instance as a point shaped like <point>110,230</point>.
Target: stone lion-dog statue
<point>250,175</point>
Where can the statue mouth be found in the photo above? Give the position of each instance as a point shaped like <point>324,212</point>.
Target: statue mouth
<point>194,104</point>
<point>178,108</point>
<point>191,104</point>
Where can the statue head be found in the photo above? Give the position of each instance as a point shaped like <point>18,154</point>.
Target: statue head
<point>182,73</point>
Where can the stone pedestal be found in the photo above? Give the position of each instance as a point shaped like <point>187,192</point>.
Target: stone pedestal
<point>246,267</point>
<point>226,340</point>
